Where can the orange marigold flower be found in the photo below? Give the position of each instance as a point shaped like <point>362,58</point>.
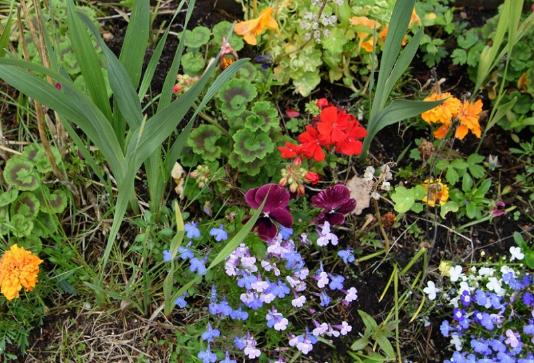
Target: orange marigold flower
<point>18,269</point>
<point>436,192</point>
<point>250,29</point>
<point>468,116</point>
<point>443,113</point>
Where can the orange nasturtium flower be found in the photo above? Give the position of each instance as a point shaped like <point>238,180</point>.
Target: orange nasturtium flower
<point>250,29</point>
<point>436,192</point>
<point>366,36</point>
<point>18,268</point>
<point>468,116</point>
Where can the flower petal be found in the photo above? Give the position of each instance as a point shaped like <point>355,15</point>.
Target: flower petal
<point>266,229</point>
<point>282,216</point>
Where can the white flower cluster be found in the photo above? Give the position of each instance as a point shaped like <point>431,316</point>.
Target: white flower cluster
<point>382,180</point>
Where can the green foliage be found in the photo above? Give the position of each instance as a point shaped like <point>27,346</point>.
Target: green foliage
<point>465,170</point>
<point>203,141</point>
<point>30,200</point>
<point>193,63</point>
<point>250,145</point>
<point>471,198</point>
<point>264,117</point>
<point>374,335</point>
<point>196,38</point>
<point>221,31</point>
<point>235,96</point>
<point>405,198</point>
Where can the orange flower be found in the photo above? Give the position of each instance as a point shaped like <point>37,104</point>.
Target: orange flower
<point>468,116</point>
<point>443,113</point>
<point>250,29</point>
<point>414,19</point>
<point>18,268</point>
<point>365,34</point>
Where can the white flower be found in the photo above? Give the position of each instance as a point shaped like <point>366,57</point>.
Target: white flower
<point>495,285</point>
<point>516,253</point>
<point>260,286</point>
<point>299,302</point>
<point>464,286</point>
<point>345,328</point>
<point>323,280</point>
<point>486,271</point>
<point>369,173</point>
<point>352,295</point>
<point>375,195</point>
<point>431,290</point>
<point>252,352</point>
<point>455,273</point>
<point>320,330</point>
<point>267,298</point>
<point>325,236</point>
<point>281,324</point>
<point>386,186</point>
<point>455,340</point>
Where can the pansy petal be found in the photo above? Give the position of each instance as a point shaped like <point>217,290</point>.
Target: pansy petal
<point>347,207</point>
<point>335,218</point>
<point>266,229</point>
<point>282,216</point>
<point>250,198</point>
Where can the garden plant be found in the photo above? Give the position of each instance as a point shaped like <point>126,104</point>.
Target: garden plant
<point>267,181</point>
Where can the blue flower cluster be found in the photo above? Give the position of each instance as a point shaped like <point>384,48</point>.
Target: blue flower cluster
<point>196,265</point>
<point>492,316</point>
<point>274,288</point>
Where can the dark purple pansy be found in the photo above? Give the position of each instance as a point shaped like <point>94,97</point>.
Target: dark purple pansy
<point>335,203</point>
<point>275,209</point>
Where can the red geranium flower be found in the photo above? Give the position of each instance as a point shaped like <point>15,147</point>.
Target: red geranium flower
<point>310,144</point>
<point>275,209</point>
<point>290,150</point>
<point>322,102</point>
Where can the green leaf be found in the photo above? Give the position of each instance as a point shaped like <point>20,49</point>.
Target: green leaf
<point>467,183</point>
<point>452,176</point>
<point>193,63</point>
<point>368,320</point>
<point>121,83</point>
<point>385,345</point>
<point>135,42</point>
<point>403,199</point>
<point>20,174</point>
<point>459,56</point>
<point>360,344</point>
<point>8,197</point>
<point>170,78</point>
<point>450,206</point>
<point>396,111</point>
<point>70,103</point>
<point>197,37</point>
<point>88,60</point>
<point>4,37</point>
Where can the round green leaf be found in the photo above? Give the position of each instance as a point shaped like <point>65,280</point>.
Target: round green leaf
<point>197,37</point>
<point>8,197</point>
<point>235,96</point>
<point>193,63</point>
<point>27,205</point>
<point>20,174</point>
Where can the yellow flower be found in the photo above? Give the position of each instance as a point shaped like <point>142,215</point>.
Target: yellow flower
<point>468,116</point>
<point>445,268</point>
<point>250,29</point>
<point>443,113</point>
<point>436,192</point>
<point>18,268</point>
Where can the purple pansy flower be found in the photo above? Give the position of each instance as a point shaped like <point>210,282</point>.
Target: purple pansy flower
<point>335,203</point>
<point>275,209</point>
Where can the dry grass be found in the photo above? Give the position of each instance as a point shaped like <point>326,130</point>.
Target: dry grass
<point>103,336</point>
